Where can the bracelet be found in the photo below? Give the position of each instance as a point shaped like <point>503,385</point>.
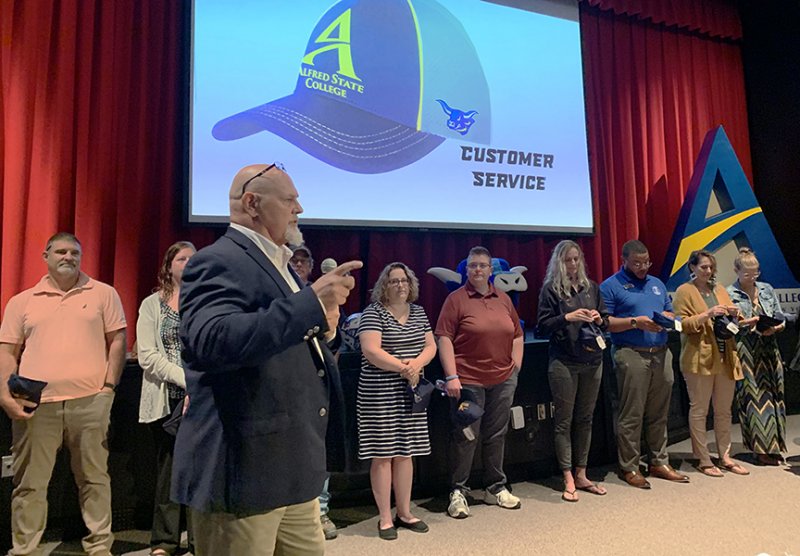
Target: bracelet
<point>110,385</point>
<point>451,377</point>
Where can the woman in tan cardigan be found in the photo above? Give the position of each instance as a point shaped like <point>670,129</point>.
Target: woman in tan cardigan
<point>710,366</point>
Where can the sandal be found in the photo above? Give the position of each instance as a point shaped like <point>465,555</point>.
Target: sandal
<point>592,488</point>
<point>734,468</point>
<point>710,470</point>
<point>569,495</point>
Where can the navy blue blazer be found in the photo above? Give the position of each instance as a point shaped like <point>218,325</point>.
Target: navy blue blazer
<point>253,438</point>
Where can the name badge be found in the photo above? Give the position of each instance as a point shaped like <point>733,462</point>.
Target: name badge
<point>733,328</point>
<point>678,325</point>
<point>468,434</point>
<point>601,342</point>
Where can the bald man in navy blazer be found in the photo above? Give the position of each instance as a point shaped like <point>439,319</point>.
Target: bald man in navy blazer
<point>250,451</point>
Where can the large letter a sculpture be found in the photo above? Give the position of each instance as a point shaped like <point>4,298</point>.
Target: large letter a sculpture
<point>721,214</point>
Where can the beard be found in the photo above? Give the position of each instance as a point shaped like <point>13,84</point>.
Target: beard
<point>67,269</point>
<point>293,236</point>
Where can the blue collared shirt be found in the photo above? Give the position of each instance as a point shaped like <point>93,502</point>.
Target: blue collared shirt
<point>626,295</point>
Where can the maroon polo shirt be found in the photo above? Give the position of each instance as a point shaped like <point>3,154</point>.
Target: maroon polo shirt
<point>482,329</point>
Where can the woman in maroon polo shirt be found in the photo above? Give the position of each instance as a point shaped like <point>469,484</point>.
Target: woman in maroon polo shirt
<point>480,347</point>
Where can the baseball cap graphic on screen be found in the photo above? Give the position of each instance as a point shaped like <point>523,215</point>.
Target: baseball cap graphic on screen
<point>368,95</point>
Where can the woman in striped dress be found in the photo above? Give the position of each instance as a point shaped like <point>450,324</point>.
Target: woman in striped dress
<point>760,396</point>
<point>396,344</point>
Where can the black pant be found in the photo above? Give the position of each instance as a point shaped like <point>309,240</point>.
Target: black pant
<point>168,516</point>
<point>574,387</point>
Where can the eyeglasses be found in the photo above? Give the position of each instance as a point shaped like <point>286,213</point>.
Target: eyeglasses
<point>647,264</point>
<point>299,260</point>
<point>754,274</point>
<point>397,281</point>
<point>475,266</point>
<point>277,165</point>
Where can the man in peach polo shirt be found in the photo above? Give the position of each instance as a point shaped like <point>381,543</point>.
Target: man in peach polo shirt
<point>72,329</point>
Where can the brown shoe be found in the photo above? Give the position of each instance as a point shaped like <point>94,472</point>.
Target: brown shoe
<point>635,479</point>
<point>668,473</point>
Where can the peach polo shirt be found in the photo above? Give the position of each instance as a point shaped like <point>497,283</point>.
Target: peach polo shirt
<point>64,335</point>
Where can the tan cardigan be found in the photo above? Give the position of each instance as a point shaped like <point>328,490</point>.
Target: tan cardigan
<point>699,351</point>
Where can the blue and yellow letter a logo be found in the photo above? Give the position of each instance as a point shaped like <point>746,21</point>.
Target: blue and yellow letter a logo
<point>340,43</point>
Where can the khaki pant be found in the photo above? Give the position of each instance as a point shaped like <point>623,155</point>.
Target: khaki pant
<point>644,384</point>
<point>289,531</point>
<point>702,389</point>
<point>83,425</point>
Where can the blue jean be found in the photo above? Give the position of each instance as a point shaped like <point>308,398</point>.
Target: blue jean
<point>324,498</point>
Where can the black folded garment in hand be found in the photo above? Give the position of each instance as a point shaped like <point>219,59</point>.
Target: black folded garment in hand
<point>467,410</point>
<point>725,327</point>
<point>590,337</point>
<point>171,425</point>
<point>421,395</point>
<point>766,322</point>
<point>664,321</point>
<point>26,389</point>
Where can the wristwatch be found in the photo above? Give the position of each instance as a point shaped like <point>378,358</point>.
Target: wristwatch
<point>633,323</point>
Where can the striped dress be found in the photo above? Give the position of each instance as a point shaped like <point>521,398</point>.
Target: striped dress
<point>759,397</point>
<point>386,426</point>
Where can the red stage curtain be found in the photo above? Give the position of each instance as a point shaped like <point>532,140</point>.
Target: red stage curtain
<point>716,18</point>
<point>92,127</point>
<point>652,95</point>
<point>91,138</point>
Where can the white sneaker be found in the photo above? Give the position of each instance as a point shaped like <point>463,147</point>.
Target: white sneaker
<point>504,499</point>
<point>458,507</point>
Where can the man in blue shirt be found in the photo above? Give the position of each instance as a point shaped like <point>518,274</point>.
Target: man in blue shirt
<point>644,379</point>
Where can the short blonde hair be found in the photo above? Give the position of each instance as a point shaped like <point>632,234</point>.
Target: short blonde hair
<point>379,292</point>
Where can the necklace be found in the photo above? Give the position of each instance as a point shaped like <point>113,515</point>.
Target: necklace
<point>704,293</point>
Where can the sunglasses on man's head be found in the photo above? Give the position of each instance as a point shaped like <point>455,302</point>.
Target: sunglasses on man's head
<point>277,165</point>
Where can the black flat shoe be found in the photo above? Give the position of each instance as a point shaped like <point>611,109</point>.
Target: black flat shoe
<point>389,534</point>
<point>768,459</point>
<point>418,526</point>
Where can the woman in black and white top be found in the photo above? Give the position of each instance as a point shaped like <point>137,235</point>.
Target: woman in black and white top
<point>396,344</point>
<point>163,388</point>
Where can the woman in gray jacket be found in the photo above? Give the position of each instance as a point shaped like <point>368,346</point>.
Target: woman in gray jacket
<point>163,389</point>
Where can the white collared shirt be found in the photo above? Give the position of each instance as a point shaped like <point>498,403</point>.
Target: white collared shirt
<point>279,256</point>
